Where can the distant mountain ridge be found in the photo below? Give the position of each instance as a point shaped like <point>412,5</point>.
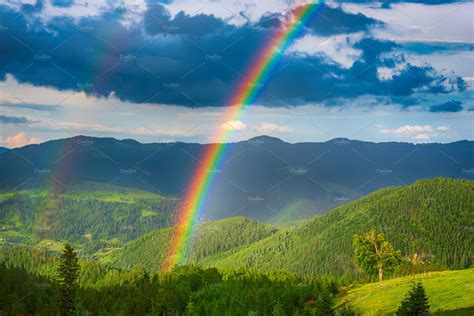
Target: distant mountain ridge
<point>263,178</point>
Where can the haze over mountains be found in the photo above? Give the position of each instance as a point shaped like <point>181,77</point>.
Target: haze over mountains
<point>263,178</point>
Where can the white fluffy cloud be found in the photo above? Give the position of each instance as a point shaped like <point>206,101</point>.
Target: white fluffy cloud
<point>235,12</point>
<point>271,128</point>
<point>422,137</point>
<point>418,132</point>
<point>419,22</point>
<point>336,49</point>
<point>85,8</point>
<point>408,129</point>
<point>234,125</point>
<point>20,139</point>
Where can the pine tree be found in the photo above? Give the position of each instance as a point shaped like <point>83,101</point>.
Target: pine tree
<point>278,310</point>
<point>68,272</point>
<point>191,309</point>
<point>415,303</point>
<point>324,303</point>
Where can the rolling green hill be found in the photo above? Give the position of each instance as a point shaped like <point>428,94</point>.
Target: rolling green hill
<point>90,215</point>
<point>449,292</point>
<point>210,238</point>
<point>431,217</point>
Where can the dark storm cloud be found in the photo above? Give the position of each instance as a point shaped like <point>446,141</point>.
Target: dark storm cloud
<point>197,60</point>
<point>14,120</point>
<point>62,3</point>
<point>427,48</point>
<point>326,21</point>
<point>31,106</point>
<point>450,106</point>
<point>329,21</point>
<point>269,21</point>
<point>157,20</point>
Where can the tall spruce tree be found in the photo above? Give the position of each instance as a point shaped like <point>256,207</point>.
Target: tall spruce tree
<point>415,303</point>
<point>68,273</point>
<point>324,303</point>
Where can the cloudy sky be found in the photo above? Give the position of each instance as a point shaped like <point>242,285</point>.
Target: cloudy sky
<point>160,71</point>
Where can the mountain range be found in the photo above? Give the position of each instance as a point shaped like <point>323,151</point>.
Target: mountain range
<point>263,178</point>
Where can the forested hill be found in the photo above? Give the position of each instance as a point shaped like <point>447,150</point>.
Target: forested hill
<point>89,215</point>
<point>430,217</point>
<point>210,238</point>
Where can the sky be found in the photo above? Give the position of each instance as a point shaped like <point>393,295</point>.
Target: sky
<point>165,71</point>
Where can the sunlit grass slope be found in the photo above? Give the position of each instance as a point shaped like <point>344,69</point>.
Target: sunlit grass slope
<point>449,292</point>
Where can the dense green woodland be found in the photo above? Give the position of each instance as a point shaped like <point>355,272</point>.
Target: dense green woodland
<point>90,216</point>
<point>234,266</point>
<point>432,218</point>
<point>210,238</point>
<point>29,285</point>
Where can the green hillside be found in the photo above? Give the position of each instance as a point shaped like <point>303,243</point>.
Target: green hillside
<point>91,215</point>
<point>431,217</point>
<point>294,213</point>
<point>449,292</point>
<point>210,238</point>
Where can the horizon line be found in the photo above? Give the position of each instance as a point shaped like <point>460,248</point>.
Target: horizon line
<point>242,141</point>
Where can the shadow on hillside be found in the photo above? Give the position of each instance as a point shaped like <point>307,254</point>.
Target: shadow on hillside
<point>457,312</point>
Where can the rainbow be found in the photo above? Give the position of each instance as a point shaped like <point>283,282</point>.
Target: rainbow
<point>245,95</point>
